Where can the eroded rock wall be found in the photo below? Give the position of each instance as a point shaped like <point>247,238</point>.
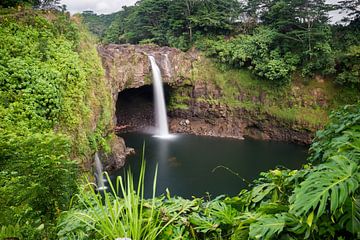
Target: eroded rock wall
<point>128,66</point>
<point>211,118</point>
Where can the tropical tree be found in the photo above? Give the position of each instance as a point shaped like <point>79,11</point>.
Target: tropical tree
<point>35,3</point>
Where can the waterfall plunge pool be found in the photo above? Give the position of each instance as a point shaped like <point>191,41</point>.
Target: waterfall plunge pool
<point>188,165</point>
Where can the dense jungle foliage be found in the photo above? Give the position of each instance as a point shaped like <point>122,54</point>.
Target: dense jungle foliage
<point>40,4</point>
<point>277,40</point>
<point>55,110</point>
<point>48,72</point>
<point>319,201</point>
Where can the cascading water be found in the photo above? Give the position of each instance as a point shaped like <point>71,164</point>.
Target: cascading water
<point>167,65</point>
<point>160,108</point>
<point>99,173</point>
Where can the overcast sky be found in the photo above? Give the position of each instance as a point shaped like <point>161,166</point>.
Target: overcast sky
<point>98,6</point>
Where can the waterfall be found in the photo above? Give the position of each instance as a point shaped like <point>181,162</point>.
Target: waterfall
<point>167,65</point>
<point>99,173</point>
<point>160,108</point>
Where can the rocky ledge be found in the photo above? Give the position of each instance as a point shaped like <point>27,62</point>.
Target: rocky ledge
<point>240,127</point>
<point>211,118</point>
<point>128,66</point>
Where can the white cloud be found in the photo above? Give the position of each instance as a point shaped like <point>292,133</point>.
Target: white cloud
<point>98,6</point>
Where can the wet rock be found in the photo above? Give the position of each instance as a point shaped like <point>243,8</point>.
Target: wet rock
<point>221,121</point>
<point>116,158</point>
<point>130,151</point>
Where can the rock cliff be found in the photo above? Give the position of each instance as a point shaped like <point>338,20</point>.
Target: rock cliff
<point>128,67</point>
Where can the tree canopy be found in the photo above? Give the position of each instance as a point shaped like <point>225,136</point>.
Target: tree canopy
<point>34,3</point>
<point>298,36</point>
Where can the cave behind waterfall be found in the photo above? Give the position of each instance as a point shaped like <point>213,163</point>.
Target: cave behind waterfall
<point>135,108</point>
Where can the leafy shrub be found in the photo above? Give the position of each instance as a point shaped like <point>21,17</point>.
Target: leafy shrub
<point>44,124</point>
<point>349,67</point>
<point>341,134</point>
<point>38,179</point>
<point>255,52</point>
<point>320,59</point>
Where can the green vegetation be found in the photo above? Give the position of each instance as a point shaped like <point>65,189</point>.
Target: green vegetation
<point>34,3</point>
<point>255,52</point>
<point>179,98</point>
<point>50,76</point>
<point>55,113</point>
<point>274,39</point>
<point>98,24</point>
<point>319,201</point>
<point>172,23</point>
<point>108,216</point>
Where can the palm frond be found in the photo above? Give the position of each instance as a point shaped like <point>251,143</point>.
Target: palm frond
<point>203,224</point>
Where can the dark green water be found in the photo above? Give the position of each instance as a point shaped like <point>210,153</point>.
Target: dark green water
<point>186,163</point>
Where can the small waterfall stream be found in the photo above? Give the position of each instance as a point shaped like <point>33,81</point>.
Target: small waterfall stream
<point>160,107</point>
<point>167,65</point>
<point>99,173</point>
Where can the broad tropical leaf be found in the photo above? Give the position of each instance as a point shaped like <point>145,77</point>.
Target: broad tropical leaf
<point>351,216</point>
<point>272,208</point>
<point>334,180</point>
<point>242,231</point>
<point>259,192</point>
<point>202,223</point>
<point>267,226</point>
<point>223,213</point>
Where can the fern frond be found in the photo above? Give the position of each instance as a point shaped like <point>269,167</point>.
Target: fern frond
<point>332,181</point>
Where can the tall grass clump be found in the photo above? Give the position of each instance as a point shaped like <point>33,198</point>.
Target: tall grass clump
<point>121,212</point>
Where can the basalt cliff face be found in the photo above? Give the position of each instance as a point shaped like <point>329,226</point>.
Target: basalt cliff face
<point>204,117</point>
<point>128,67</point>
